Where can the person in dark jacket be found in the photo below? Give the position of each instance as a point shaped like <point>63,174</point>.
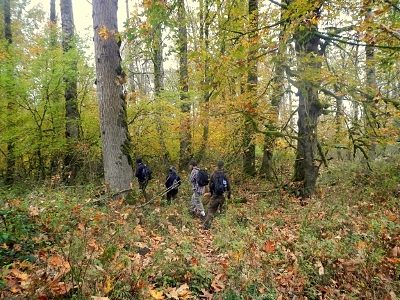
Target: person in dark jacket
<point>219,186</point>
<point>172,182</point>
<point>140,176</point>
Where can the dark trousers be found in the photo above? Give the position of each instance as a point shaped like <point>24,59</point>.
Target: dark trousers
<point>171,195</point>
<point>142,187</point>
<point>216,202</point>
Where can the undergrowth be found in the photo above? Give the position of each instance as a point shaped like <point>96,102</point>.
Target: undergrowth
<point>344,243</point>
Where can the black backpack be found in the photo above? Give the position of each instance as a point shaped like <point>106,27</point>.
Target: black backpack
<point>146,173</point>
<point>219,184</point>
<point>203,178</point>
<point>173,181</point>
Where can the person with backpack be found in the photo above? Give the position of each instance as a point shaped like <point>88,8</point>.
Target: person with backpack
<point>219,186</point>
<point>198,191</point>
<point>143,174</point>
<point>172,182</point>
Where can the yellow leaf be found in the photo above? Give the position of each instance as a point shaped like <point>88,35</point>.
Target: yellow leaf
<point>107,285</point>
<point>156,294</point>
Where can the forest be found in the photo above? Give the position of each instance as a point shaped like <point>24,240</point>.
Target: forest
<point>299,98</point>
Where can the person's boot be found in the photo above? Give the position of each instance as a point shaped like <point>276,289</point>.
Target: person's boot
<point>205,226</point>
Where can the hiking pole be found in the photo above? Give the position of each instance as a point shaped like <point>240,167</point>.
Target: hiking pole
<point>159,194</point>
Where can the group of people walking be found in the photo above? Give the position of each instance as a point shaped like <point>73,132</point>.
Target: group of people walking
<point>219,186</point>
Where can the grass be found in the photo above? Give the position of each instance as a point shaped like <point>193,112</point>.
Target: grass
<point>344,243</point>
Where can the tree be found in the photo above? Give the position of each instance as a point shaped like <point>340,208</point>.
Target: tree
<point>118,167</point>
<point>71,103</point>
<point>310,107</point>
<point>156,19</point>
<point>10,105</point>
<point>249,164</point>
<point>277,95</point>
<point>186,137</point>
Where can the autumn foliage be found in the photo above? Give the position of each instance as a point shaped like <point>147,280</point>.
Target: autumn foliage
<point>341,244</point>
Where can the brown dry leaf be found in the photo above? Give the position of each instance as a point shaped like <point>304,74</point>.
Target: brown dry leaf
<point>59,262</point>
<point>81,227</point>
<point>396,251</point>
<point>99,298</point>
<point>351,265</point>
<point>18,274</point>
<point>193,260</point>
<point>172,293</point>
<point>206,295</point>
<point>218,284</point>
<point>392,295</point>
<point>393,260</point>
<point>93,245</point>
<point>320,267</point>
<point>172,229</point>
<point>98,217</point>
<point>183,290</point>
<point>13,285</point>
<point>392,217</point>
<point>60,288</point>
<point>34,211</point>
<point>269,247</point>
<point>56,261</point>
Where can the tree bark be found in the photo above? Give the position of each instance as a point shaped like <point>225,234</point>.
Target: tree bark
<point>118,168</point>
<point>370,78</point>
<point>185,126</point>
<point>10,159</point>
<point>249,159</point>
<point>158,67</point>
<point>72,115</point>
<point>310,108</point>
<point>205,17</point>
<point>266,168</point>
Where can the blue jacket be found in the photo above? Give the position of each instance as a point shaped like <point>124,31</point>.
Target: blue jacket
<point>139,173</point>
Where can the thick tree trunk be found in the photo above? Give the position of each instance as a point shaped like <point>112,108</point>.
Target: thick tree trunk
<point>71,102</point>
<point>266,168</point>
<point>186,137</point>
<point>306,165</point>
<point>249,159</point>
<point>370,107</point>
<point>53,19</point>
<point>10,159</point>
<point>118,169</point>
<point>310,108</point>
<point>158,67</point>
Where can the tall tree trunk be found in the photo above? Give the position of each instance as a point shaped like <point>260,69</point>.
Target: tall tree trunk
<point>158,68</point>
<point>370,74</point>
<point>71,102</point>
<point>207,78</point>
<point>185,126</point>
<point>249,159</point>
<point>266,169</point>
<point>53,19</point>
<point>118,167</point>
<point>10,104</point>
<point>310,108</point>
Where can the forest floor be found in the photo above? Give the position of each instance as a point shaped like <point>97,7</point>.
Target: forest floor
<point>344,243</point>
